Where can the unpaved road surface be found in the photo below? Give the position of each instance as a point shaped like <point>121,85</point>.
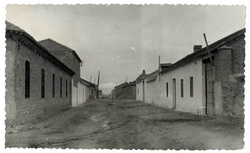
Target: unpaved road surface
<point>128,124</point>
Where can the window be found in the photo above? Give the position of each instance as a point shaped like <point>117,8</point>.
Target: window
<point>70,90</point>
<point>66,88</point>
<point>60,87</point>
<point>27,79</point>
<point>191,87</point>
<point>182,92</point>
<point>42,83</point>
<point>53,85</point>
<point>167,89</point>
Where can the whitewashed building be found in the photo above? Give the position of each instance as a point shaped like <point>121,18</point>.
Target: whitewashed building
<point>204,83</point>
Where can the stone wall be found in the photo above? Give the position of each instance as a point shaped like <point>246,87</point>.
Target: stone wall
<point>233,95</point>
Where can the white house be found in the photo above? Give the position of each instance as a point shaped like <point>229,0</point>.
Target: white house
<point>204,83</point>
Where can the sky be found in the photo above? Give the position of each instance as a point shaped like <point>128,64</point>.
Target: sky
<point>122,40</point>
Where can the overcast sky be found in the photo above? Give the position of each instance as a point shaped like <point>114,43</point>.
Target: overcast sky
<point>122,40</point>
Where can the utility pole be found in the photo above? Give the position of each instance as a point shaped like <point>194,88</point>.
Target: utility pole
<point>98,84</point>
<point>208,49</point>
<point>159,67</point>
<point>126,79</point>
<point>213,71</point>
<point>90,78</point>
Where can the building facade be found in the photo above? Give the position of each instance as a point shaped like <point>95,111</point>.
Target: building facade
<point>119,94</point>
<point>204,83</point>
<point>129,90</point>
<point>70,58</point>
<point>37,83</point>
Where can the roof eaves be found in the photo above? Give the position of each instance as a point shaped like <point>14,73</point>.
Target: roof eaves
<point>74,52</point>
<point>47,55</point>
<point>213,47</point>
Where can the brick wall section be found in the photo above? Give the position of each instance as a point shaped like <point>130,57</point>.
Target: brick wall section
<point>238,56</point>
<point>229,70</point>
<point>30,108</point>
<point>10,105</point>
<point>68,59</point>
<point>223,63</point>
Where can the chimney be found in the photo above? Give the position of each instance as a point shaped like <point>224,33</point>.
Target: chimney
<point>197,48</point>
<point>143,73</point>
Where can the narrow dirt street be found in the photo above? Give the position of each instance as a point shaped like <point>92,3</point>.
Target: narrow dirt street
<point>127,124</point>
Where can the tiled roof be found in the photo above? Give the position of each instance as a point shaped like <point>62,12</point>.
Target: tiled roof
<point>53,46</point>
<point>11,28</point>
<point>213,47</point>
<point>130,84</point>
<point>121,85</point>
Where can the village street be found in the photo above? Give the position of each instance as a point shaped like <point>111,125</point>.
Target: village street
<point>127,124</point>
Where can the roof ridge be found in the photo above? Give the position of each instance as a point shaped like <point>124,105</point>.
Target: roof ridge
<point>221,42</point>
<point>72,50</point>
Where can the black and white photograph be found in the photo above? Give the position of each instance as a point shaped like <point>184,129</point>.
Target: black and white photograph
<point>131,76</point>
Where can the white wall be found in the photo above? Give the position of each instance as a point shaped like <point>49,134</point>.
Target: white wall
<point>139,91</point>
<point>74,96</point>
<point>79,94</point>
<point>195,104</point>
<point>152,92</point>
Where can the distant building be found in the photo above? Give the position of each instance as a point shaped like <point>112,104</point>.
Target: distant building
<point>129,90</point>
<point>112,94</point>
<point>100,94</point>
<point>37,83</point>
<point>90,89</point>
<point>118,91</point>
<point>201,83</point>
<point>140,86</point>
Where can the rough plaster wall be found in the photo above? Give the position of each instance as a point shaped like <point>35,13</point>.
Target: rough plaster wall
<point>129,92</point>
<point>233,95</point>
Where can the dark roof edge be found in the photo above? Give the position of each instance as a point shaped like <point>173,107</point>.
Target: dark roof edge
<point>87,82</point>
<point>48,55</point>
<point>226,40</point>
